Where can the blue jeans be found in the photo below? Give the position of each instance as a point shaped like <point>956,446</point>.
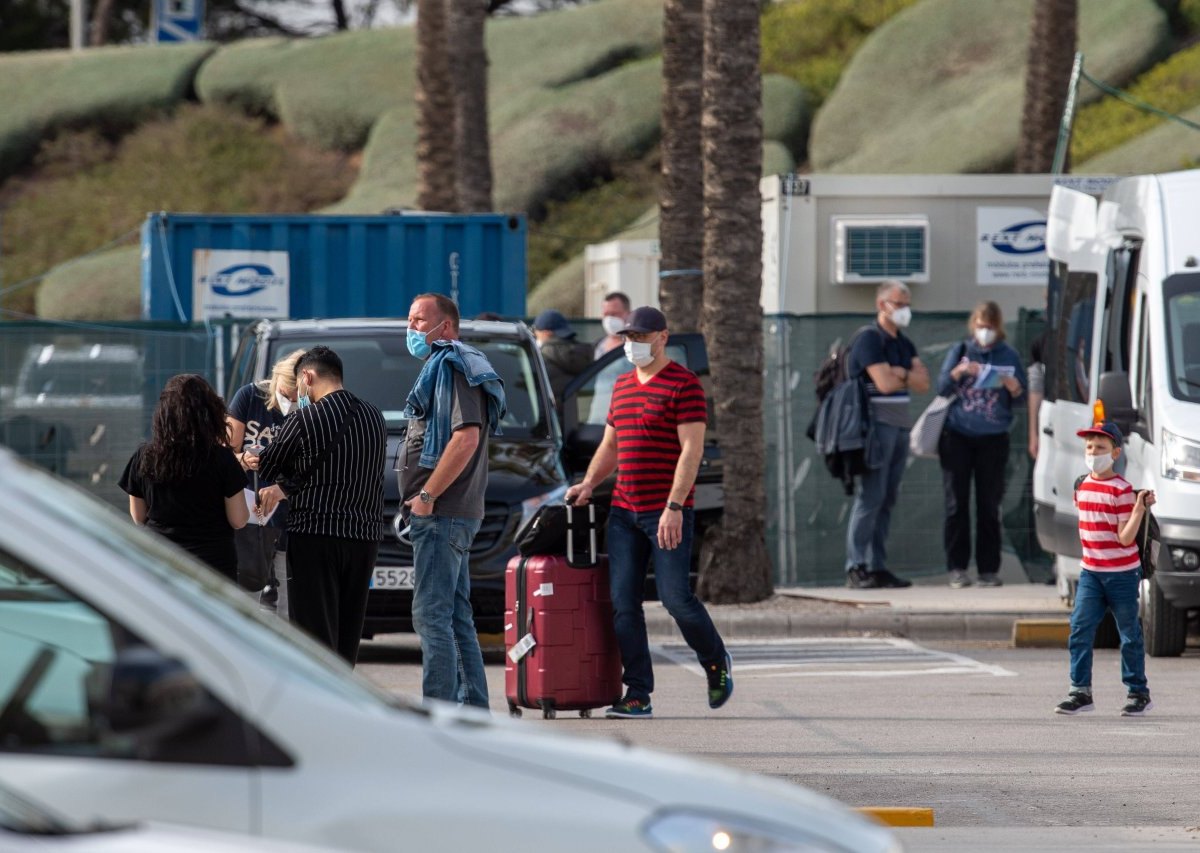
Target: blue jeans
<point>441,611</point>
<point>632,540</point>
<point>1096,593</point>
<point>871,515</point>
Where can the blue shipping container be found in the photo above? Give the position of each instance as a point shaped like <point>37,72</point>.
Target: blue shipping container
<point>308,265</point>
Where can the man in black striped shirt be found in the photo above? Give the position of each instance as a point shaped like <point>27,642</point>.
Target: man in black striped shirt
<point>327,462</point>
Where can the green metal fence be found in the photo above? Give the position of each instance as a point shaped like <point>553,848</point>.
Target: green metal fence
<point>77,399</point>
<point>807,508</point>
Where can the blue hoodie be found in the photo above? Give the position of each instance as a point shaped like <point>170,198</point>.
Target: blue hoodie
<point>986,410</point>
<point>436,381</point>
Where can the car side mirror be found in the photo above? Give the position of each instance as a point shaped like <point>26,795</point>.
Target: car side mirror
<point>153,699</point>
<point>1118,402</point>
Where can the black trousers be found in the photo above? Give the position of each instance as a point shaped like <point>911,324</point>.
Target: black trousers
<point>983,459</point>
<point>327,588</point>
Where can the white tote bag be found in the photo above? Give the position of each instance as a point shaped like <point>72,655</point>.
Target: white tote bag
<point>923,439</point>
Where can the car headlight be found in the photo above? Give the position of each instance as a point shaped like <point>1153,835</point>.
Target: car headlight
<point>692,832</point>
<point>1180,457</point>
<point>531,505</point>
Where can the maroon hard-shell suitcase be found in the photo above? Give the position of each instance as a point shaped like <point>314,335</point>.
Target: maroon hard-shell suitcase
<point>558,629</point>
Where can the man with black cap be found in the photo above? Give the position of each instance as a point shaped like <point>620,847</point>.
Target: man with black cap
<point>565,357</point>
<point>654,438</point>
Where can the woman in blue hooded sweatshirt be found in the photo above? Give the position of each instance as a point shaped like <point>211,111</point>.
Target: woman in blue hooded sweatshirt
<point>985,376</point>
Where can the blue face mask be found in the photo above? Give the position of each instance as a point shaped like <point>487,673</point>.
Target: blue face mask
<point>303,402</point>
<point>418,343</point>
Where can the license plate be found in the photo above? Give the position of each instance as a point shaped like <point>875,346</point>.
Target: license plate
<point>392,577</point>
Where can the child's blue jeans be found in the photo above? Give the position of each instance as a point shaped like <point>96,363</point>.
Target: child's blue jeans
<point>1096,593</point>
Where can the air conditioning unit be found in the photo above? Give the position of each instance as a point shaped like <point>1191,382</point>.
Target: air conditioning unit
<point>869,249</point>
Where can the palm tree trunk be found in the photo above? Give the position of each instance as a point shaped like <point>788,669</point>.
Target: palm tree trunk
<point>1047,75</point>
<point>435,111</point>
<point>681,196</point>
<point>471,141</point>
<point>341,19</point>
<point>734,564</point>
<point>101,15</point>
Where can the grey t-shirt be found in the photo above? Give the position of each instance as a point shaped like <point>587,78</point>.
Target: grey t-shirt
<point>464,497</point>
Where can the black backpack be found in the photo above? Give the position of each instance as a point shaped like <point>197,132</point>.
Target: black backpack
<point>832,370</point>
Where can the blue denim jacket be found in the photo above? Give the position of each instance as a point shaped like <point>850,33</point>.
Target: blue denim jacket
<point>436,383</point>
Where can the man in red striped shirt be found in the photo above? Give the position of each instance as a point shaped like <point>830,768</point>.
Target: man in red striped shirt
<point>1110,514</point>
<point>655,440</point>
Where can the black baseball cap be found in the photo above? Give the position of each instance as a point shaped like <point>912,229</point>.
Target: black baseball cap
<point>1105,428</point>
<point>645,319</point>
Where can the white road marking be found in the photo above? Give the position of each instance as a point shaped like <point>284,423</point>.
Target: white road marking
<point>835,657</point>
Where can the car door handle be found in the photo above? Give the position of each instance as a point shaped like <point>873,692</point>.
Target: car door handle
<point>1048,430</point>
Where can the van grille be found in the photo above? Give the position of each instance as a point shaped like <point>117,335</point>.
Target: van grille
<point>493,533</point>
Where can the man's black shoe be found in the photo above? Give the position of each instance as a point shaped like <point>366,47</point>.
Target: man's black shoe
<point>886,580</point>
<point>859,578</point>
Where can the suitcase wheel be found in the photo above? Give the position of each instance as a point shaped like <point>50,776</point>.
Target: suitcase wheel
<point>586,713</point>
<point>513,710</point>
<point>549,713</point>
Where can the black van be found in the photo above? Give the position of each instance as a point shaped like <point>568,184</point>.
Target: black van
<point>531,463</point>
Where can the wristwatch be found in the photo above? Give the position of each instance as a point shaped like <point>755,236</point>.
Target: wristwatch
<point>425,497</point>
<point>674,507</point>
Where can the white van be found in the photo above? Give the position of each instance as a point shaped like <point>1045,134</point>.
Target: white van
<point>1124,328</point>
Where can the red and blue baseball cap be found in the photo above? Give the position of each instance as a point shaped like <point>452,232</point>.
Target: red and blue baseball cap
<point>1105,428</point>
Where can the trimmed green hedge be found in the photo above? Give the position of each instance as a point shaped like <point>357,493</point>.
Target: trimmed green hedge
<point>105,286</point>
<point>1173,85</point>
<point>203,159</point>
<point>939,88</point>
<point>110,89</point>
<point>1166,148</point>
<point>811,41</point>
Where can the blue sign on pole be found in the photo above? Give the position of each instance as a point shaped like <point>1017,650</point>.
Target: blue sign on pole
<point>178,20</point>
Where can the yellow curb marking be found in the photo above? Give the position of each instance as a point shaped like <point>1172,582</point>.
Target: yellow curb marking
<point>899,815</point>
<point>490,640</point>
<point>1041,633</point>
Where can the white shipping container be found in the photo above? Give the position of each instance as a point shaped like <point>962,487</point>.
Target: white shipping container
<point>627,266</point>
<point>828,240</point>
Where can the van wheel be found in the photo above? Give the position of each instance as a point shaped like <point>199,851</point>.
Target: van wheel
<point>1164,625</point>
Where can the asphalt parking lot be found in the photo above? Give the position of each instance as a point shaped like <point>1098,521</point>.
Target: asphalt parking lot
<point>964,728</point>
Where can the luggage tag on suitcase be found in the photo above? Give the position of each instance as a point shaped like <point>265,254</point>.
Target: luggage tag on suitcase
<point>521,648</point>
<point>581,536</point>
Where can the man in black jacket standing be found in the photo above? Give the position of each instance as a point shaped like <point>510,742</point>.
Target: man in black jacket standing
<point>327,461</point>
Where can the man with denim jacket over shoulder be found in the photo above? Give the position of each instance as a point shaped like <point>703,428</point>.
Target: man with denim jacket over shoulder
<point>456,403</point>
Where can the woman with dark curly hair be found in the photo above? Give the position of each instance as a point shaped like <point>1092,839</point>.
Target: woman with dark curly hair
<point>185,482</point>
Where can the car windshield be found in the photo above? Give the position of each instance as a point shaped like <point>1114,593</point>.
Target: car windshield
<point>81,378</point>
<point>380,370</point>
<point>1181,294</point>
<point>160,564</point>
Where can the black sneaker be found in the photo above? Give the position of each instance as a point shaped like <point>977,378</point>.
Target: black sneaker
<point>269,596</point>
<point>1136,705</point>
<point>630,708</point>
<point>720,682</point>
<point>990,580</point>
<point>859,578</point>
<point>886,580</point>
<point>1076,702</point>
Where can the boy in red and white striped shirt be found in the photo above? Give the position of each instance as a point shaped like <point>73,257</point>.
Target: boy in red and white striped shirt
<point>1110,514</point>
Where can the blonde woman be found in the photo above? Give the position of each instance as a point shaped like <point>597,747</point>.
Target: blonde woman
<point>985,376</point>
<point>255,413</point>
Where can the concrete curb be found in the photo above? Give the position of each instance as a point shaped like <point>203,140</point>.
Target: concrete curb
<point>917,625</point>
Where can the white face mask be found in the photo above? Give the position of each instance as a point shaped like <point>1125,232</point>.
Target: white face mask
<point>985,337</point>
<point>1099,463</point>
<point>612,325</point>
<point>902,317</point>
<point>285,405</point>
<point>638,353</point>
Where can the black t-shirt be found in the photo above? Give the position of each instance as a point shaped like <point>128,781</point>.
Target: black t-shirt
<point>875,346</point>
<point>191,512</point>
<point>262,425</point>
